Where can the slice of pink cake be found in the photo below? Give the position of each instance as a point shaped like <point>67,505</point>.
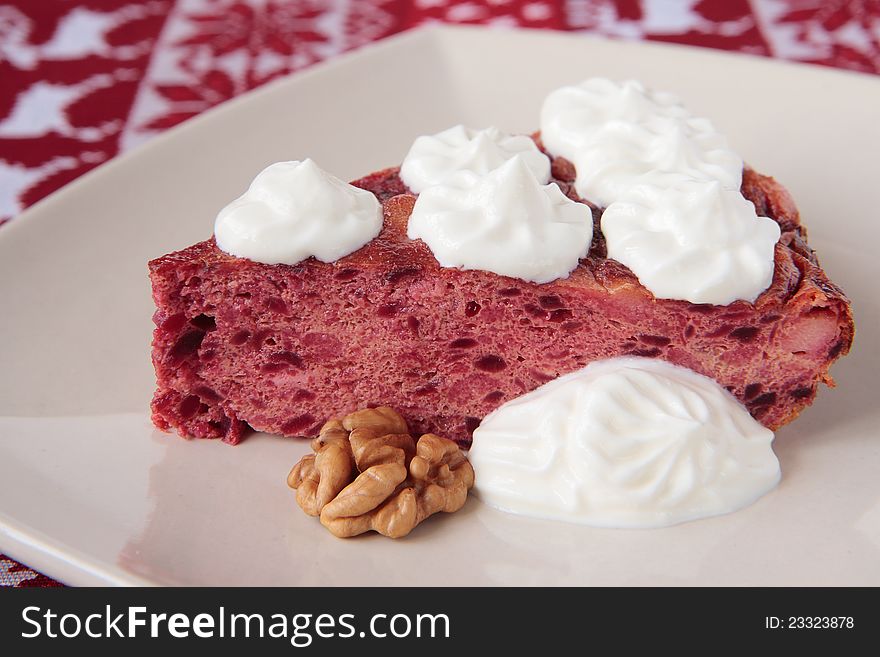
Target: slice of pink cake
<point>282,348</point>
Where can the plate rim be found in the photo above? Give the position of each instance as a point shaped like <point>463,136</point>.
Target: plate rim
<point>57,561</point>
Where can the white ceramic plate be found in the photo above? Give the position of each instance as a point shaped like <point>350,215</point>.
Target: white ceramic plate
<point>90,493</point>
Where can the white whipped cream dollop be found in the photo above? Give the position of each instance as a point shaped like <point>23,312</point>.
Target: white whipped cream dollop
<point>626,442</point>
<point>505,222</point>
<point>459,151</point>
<point>615,132</point>
<point>296,210</point>
<point>691,239</point>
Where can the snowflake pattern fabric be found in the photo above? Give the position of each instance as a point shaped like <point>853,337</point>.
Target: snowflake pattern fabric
<point>81,81</point>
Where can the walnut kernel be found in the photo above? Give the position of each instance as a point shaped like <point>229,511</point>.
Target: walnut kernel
<point>368,474</point>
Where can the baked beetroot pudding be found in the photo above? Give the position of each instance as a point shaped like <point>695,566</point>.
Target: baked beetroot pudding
<point>281,348</point>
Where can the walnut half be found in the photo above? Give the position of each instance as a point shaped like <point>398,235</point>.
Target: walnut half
<point>368,474</point>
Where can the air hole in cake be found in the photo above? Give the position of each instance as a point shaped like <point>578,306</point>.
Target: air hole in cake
<point>240,337</point>
<point>270,342</point>
<point>510,292</point>
<point>758,411</point>
<point>572,326</point>
<point>274,368</point>
<point>220,427</point>
<point>297,425</point>
<point>543,377</point>
<point>703,308</point>
<point>346,274</point>
<point>494,397</point>
<point>802,393</point>
<point>550,302</point>
<point>463,343</point>
<point>752,390</point>
<point>204,322</point>
<point>189,407</point>
<point>242,295</point>
<point>534,310</point>
<point>288,357</point>
<point>490,363</point>
<point>303,395</point>
<point>186,345</point>
<point>207,394</point>
<point>767,399</point>
<point>259,337</point>
<point>428,389</point>
<point>689,331</point>
<point>560,315</point>
<point>207,356</point>
<point>413,324</point>
<point>769,319</point>
<point>397,275</point>
<point>276,305</point>
<point>388,310</point>
<point>655,340</point>
<point>745,333</point>
<point>471,309</point>
<point>194,281</point>
<point>471,423</point>
<point>525,322</point>
<point>646,353</point>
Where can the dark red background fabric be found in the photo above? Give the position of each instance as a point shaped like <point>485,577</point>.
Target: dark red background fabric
<point>82,80</point>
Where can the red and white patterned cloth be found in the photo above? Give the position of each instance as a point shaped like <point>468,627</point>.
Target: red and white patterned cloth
<point>82,80</point>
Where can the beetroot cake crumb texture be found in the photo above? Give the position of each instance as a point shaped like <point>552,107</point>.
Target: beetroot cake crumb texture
<point>282,348</point>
